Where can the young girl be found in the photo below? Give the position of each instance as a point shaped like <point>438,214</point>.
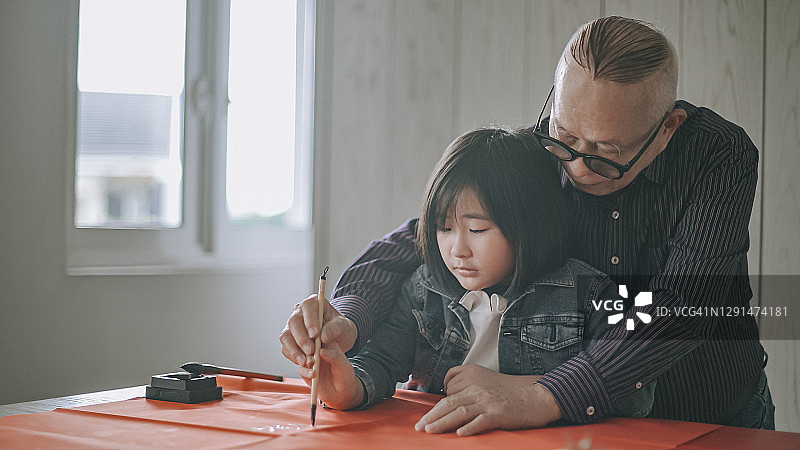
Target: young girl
<point>496,289</point>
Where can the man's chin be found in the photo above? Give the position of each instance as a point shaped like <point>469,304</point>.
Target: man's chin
<point>601,187</point>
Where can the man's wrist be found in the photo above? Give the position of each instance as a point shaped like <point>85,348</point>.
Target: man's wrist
<point>349,398</point>
<point>359,397</point>
<point>550,409</point>
<point>352,334</point>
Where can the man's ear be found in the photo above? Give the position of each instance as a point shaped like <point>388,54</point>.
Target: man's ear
<point>674,120</point>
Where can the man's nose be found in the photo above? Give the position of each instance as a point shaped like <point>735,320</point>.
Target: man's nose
<point>578,168</point>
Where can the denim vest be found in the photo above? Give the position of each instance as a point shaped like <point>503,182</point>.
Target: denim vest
<point>427,333</point>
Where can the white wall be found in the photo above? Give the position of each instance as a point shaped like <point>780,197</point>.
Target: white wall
<point>64,335</point>
<point>399,79</point>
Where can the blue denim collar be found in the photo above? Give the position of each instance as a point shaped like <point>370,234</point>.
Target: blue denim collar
<point>560,277</point>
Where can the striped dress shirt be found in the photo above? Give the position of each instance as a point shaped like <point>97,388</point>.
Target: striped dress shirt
<point>680,231</point>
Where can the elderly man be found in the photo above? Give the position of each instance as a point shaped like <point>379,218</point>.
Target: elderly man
<point>662,194</point>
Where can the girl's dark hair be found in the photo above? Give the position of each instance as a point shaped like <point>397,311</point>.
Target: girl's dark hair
<point>518,184</point>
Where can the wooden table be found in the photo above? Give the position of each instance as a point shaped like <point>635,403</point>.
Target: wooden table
<point>257,413</point>
<point>72,401</point>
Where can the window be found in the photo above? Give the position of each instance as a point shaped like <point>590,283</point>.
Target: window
<point>130,85</point>
<point>193,135</point>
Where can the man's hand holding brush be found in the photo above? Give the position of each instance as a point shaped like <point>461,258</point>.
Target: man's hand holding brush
<point>297,338</point>
<point>331,376</point>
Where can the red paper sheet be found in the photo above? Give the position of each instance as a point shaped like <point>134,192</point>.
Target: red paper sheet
<point>257,413</point>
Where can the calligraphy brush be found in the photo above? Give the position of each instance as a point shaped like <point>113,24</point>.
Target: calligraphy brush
<point>208,369</point>
<point>317,344</point>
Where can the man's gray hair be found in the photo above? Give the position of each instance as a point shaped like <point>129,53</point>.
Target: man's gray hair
<point>626,51</point>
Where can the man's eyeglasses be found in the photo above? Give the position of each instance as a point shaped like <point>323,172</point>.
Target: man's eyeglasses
<point>597,164</point>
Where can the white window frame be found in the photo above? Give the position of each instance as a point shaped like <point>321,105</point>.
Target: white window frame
<point>207,241</point>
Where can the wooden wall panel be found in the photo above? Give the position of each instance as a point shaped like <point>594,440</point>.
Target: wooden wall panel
<point>721,67</point>
<point>323,110</point>
<point>781,226</point>
<point>490,74</point>
<point>421,100</point>
<point>665,16</point>
<point>782,139</point>
<point>385,118</point>
<point>358,120</point>
<point>549,27</point>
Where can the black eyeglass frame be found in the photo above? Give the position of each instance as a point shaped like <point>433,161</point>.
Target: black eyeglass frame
<point>574,154</point>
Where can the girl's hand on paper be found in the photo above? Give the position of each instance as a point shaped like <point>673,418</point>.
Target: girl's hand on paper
<point>338,385</point>
<point>297,337</point>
